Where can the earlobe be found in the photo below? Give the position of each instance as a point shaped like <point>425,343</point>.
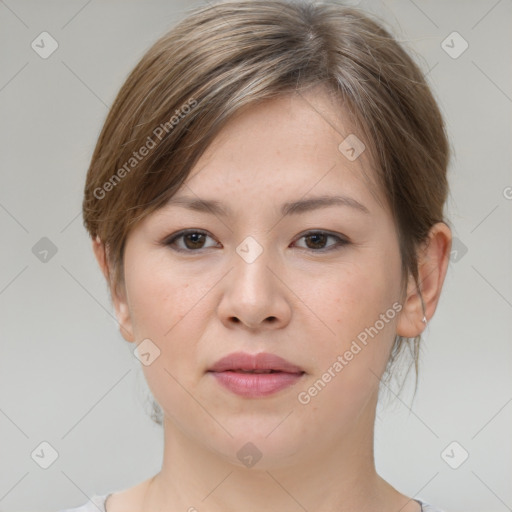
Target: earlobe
<point>410,322</point>
<point>433,259</point>
<point>118,296</point>
<point>123,315</point>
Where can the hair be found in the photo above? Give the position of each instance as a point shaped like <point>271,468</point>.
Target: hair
<point>233,54</point>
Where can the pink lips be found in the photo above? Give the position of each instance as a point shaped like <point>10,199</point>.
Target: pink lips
<point>255,375</point>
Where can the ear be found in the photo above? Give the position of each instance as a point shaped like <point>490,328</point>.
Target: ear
<point>433,259</point>
<point>117,293</point>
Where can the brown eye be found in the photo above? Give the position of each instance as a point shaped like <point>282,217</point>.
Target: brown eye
<point>188,241</point>
<point>194,240</point>
<point>317,241</point>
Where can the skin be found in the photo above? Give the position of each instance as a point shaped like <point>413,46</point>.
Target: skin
<point>295,301</point>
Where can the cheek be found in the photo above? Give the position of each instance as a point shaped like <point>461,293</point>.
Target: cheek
<point>160,297</point>
<point>357,305</point>
<point>165,307</point>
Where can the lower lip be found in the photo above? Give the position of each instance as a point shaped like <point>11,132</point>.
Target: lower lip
<point>253,385</point>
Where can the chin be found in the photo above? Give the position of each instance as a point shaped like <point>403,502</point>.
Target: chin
<point>263,444</point>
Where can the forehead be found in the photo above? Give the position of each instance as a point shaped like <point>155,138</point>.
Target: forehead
<point>297,144</point>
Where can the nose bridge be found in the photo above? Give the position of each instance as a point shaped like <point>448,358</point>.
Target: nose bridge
<point>251,270</point>
<point>253,295</point>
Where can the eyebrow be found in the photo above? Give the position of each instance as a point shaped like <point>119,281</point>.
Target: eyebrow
<point>291,208</point>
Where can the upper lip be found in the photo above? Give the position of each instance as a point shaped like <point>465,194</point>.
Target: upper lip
<point>247,362</point>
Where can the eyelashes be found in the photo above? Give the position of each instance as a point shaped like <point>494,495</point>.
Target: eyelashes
<point>192,240</point>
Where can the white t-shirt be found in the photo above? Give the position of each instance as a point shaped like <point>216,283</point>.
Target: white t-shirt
<point>97,504</point>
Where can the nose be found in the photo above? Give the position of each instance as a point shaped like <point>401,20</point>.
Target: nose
<point>255,295</point>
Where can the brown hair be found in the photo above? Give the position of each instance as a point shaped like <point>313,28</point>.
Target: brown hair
<point>224,57</point>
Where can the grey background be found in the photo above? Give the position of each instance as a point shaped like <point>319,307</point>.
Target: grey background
<point>66,375</point>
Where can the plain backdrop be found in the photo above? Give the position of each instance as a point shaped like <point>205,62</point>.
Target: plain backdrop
<point>67,378</point>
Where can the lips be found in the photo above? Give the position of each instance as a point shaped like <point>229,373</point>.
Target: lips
<point>255,363</point>
<point>255,375</point>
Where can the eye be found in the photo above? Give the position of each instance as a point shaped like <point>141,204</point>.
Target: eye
<point>193,240</point>
<point>316,241</point>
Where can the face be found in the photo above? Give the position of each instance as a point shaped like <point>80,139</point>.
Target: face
<point>314,283</point>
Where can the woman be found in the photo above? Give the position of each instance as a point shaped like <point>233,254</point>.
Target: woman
<point>266,203</point>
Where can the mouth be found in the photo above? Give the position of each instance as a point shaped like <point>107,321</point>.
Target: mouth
<point>262,362</point>
<point>239,370</point>
<point>255,375</point>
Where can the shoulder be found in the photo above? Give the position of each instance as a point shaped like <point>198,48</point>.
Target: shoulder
<point>95,504</point>
<point>116,501</point>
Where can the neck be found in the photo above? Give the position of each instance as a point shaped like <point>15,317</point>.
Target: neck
<point>331,475</point>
